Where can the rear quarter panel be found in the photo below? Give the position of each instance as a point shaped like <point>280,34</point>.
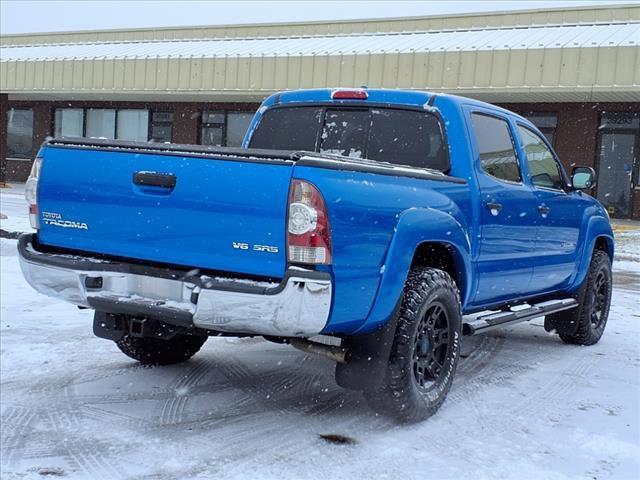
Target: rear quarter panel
<point>369,213</point>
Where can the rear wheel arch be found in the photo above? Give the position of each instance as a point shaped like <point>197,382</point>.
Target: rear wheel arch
<point>445,257</point>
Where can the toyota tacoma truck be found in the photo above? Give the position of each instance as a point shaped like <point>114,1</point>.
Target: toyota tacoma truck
<point>375,227</point>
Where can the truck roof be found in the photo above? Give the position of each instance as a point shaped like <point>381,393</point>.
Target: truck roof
<point>378,95</point>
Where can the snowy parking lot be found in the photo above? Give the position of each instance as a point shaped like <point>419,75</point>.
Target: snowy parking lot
<point>524,405</point>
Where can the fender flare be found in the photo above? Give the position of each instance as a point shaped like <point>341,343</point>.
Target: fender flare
<point>597,227</point>
<point>416,226</point>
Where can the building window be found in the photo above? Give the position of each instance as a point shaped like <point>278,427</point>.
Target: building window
<point>220,128</point>
<point>162,127</point>
<point>101,123</point>
<point>133,125</point>
<point>545,122</point>
<point>69,122</point>
<point>212,129</point>
<point>20,133</point>
<point>126,124</point>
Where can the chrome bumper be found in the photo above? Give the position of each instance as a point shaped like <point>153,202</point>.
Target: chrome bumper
<point>299,306</point>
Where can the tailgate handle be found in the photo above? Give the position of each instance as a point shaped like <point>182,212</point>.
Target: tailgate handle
<point>155,179</point>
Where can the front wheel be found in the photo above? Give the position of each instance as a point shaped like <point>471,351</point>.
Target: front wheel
<point>584,325</point>
<point>425,350</point>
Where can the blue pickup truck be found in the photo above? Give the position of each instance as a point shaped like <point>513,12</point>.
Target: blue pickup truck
<point>375,227</point>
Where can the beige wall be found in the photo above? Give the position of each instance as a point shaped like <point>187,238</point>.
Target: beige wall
<point>558,73</point>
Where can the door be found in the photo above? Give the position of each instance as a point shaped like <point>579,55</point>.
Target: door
<point>559,214</point>
<point>504,265</point>
<point>618,162</point>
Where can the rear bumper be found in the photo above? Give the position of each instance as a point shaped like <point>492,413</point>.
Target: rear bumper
<point>299,306</point>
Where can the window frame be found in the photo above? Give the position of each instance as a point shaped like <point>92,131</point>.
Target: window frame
<point>347,105</point>
<point>513,144</point>
<point>202,125</point>
<point>84,118</point>
<point>543,139</point>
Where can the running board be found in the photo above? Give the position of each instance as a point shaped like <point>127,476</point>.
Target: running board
<point>494,320</point>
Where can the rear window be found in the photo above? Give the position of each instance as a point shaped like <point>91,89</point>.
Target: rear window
<point>288,129</point>
<point>401,137</point>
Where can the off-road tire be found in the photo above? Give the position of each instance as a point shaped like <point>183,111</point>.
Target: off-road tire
<point>155,351</point>
<point>591,315</point>
<point>401,395</point>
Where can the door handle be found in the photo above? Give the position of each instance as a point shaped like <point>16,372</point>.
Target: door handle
<point>155,179</point>
<point>543,209</point>
<point>494,207</point>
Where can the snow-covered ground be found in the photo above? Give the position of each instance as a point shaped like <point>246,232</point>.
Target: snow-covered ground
<point>523,406</point>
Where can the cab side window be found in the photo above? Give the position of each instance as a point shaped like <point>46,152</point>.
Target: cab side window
<point>543,167</point>
<point>497,153</point>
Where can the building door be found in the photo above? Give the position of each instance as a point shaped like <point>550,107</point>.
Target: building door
<point>618,153</point>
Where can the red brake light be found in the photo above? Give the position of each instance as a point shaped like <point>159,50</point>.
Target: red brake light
<point>349,95</point>
<point>308,233</point>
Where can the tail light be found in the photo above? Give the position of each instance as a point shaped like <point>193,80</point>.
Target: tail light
<point>308,234</point>
<point>31,192</point>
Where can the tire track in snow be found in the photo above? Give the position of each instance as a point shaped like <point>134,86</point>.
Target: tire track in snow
<point>85,454</point>
<point>172,412</point>
<point>16,422</point>
<point>560,385</point>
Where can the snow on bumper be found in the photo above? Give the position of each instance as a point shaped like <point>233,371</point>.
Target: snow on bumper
<point>299,306</point>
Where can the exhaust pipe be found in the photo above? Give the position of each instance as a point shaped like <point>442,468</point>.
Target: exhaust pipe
<point>337,354</point>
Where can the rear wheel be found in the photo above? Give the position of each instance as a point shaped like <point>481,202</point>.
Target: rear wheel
<point>425,351</point>
<point>585,324</point>
<point>155,351</point>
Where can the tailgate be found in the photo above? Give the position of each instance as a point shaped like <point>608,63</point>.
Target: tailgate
<point>224,213</point>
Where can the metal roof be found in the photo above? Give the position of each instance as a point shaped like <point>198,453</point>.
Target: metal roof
<point>579,61</point>
<point>609,13</point>
<point>558,37</point>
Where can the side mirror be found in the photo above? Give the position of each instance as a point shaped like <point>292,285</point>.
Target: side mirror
<point>583,178</point>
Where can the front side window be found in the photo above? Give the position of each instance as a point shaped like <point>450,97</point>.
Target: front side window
<point>19,132</point>
<point>497,154</point>
<point>543,167</point>
<point>545,122</point>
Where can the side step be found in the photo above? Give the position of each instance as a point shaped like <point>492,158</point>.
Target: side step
<point>494,320</point>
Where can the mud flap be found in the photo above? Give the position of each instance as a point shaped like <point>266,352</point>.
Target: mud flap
<point>367,357</point>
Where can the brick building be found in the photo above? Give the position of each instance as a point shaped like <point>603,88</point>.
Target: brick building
<point>575,72</point>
